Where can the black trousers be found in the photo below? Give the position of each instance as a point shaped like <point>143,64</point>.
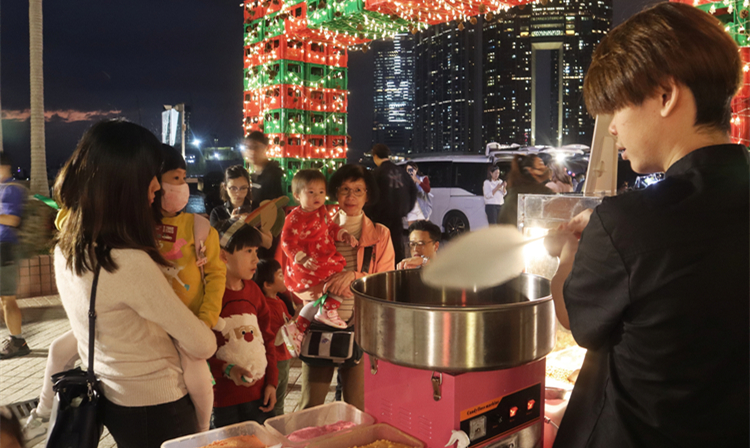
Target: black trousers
<point>229,415</point>
<point>150,426</point>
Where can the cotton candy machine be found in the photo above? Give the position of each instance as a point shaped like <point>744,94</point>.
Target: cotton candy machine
<point>440,360</point>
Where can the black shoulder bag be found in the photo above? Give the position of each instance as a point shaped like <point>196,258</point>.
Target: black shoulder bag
<point>325,346</point>
<point>76,414</point>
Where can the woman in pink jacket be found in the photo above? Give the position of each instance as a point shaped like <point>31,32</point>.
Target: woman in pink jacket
<point>353,187</point>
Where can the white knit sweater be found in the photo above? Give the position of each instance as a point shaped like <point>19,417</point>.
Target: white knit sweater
<point>136,313</point>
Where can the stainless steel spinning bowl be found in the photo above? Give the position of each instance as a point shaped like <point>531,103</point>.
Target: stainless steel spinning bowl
<point>403,321</point>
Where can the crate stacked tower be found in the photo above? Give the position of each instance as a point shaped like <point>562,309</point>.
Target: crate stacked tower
<point>296,55</point>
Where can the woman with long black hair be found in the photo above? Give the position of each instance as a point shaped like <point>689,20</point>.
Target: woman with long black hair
<point>106,189</point>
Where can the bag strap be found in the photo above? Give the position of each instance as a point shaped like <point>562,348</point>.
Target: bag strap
<point>366,259</point>
<point>92,321</point>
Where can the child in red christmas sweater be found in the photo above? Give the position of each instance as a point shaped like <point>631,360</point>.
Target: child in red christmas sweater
<point>244,365</point>
<point>308,241</point>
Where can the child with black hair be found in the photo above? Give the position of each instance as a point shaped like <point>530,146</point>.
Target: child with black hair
<point>197,274</point>
<point>244,366</point>
<point>270,278</point>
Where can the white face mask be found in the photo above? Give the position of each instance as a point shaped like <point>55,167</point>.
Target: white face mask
<point>174,197</point>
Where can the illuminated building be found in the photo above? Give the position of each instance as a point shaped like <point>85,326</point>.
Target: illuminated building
<point>393,93</point>
<point>535,60</point>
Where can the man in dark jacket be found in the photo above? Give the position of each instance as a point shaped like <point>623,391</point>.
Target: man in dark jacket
<point>397,197</point>
<point>266,179</point>
<point>657,287</point>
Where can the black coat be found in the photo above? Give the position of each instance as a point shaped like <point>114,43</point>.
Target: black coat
<point>397,195</point>
<point>659,296</point>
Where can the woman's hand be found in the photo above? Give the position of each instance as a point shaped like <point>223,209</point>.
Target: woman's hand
<point>339,284</point>
<point>266,238</point>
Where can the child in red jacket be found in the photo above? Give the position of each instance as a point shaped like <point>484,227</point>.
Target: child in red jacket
<point>244,365</point>
<point>270,279</point>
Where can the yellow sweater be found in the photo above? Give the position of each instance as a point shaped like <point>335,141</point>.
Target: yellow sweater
<point>177,244</point>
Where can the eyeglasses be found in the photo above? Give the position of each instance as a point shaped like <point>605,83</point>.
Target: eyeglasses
<point>413,244</point>
<point>234,189</point>
<point>345,191</point>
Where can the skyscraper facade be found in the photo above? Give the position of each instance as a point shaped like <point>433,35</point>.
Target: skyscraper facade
<point>445,87</point>
<point>393,121</point>
<point>535,59</point>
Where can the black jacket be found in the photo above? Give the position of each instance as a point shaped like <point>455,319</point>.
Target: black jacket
<point>397,195</point>
<point>659,296</point>
<point>267,184</point>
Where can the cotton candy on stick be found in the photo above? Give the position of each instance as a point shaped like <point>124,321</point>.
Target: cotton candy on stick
<point>480,259</point>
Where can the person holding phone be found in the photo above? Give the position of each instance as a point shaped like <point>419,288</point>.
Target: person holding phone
<point>235,191</point>
<point>423,207</point>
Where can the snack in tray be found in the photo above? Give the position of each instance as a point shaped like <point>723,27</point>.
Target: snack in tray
<point>311,432</point>
<point>384,444</point>
<point>238,442</point>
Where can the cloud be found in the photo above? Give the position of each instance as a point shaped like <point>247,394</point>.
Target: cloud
<point>65,116</point>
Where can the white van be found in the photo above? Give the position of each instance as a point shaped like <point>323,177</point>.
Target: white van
<point>456,181</point>
<point>456,185</point>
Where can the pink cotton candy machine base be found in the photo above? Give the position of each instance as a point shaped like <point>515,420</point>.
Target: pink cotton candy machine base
<point>440,360</point>
<point>503,405</point>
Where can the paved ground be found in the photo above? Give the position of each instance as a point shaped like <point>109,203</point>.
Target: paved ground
<point>44,320</point>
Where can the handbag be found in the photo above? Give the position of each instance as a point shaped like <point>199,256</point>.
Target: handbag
<point>77,410</point>
<point>324,346</point>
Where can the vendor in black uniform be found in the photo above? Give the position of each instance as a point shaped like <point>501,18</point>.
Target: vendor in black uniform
<point>266,178</point>
<point>657,287</point>
<point>235,192</point>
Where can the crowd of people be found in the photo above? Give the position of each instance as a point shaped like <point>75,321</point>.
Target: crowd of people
<point>653,283</point>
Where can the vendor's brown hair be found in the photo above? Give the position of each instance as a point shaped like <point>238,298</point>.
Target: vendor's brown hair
<point>236,172</point>
<point>668,41</point>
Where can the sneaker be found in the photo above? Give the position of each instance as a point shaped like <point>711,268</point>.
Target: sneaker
<point>14,347</point>
<point>330,318</point>
<point>35,428</point>
<point>292,338</point>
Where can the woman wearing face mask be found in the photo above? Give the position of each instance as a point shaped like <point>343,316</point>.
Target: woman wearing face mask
<point>235,191</point>
<point>528,174</point>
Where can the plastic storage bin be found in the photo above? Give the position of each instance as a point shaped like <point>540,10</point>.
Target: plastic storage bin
<point>365,435</point>
<point>240,429</point>
<point>326,414</point>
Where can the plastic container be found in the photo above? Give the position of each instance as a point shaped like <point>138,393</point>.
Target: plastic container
<point>364,435</point>
<point>325,414</point>
<point>240,429</point>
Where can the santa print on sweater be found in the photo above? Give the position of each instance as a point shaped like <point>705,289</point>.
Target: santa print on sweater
<point>244,312</point>
<point>315,234</point>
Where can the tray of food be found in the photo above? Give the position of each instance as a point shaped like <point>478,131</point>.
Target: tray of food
<point>241,435</point>
<point>380,435</point>
<point>300,428</point>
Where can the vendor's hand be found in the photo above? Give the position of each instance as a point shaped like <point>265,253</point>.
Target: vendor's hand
<point>579,222</point>
<point>269,399</point>
<point>411,263</point>
<point>556,239</point>
<point>338,285</point>
<point>236,375</point>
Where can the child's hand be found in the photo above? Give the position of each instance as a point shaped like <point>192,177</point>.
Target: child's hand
<point>348,238</point>
<point>310,264</point>
<point>236,375</point>
<point>269,398</point>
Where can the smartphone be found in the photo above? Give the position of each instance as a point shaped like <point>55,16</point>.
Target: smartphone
<point>243,209</point>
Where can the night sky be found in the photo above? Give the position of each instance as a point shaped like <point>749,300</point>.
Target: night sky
<point>106,59</point>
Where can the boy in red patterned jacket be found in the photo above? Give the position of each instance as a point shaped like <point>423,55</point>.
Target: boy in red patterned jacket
<point>244,365</point>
